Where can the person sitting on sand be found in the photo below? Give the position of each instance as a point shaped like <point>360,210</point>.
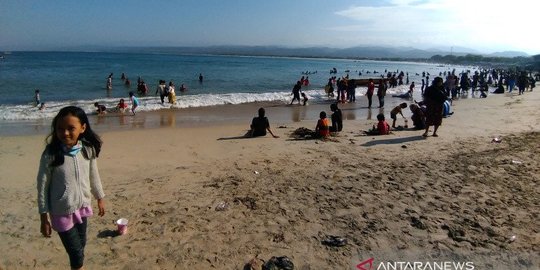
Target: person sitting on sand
<point>101,109</point>
<point>259,126</point>
<point>418,117</point>
<point>337,118</point>
<point>395,111</point>
<point>383,128</point>
<point>322,130</point>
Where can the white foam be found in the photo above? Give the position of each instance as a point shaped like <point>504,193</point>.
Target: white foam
<point>153,103</point>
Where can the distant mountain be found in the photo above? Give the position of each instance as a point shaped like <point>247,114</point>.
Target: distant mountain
<point>509,54</point>
<point>359,52</point>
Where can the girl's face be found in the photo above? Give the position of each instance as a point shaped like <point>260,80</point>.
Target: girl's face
<point>68,130</point>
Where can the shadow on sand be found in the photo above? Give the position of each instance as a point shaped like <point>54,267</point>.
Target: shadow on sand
<point>394,140</point>
<point>245,136</point>
<point>107,234</point>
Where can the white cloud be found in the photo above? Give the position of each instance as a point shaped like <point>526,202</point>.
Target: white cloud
<point>476,24</point>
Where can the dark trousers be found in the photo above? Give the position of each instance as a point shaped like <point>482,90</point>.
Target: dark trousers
<point>370,98</point>
<point>381,101</point>
<point>74,241</point>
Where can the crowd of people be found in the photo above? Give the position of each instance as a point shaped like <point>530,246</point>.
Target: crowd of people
<point>435,105</point>
<point>163,89</point>
<point>436,100</point>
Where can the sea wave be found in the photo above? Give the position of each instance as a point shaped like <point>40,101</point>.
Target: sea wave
<point>153,103</point>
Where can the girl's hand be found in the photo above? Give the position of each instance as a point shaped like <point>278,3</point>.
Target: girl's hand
<point>45,226</point>
<point>101,207</point>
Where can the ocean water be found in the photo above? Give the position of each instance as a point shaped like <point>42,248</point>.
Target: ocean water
<point>79,78</point>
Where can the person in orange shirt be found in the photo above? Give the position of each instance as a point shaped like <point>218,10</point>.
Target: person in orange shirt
<point>322,130</point>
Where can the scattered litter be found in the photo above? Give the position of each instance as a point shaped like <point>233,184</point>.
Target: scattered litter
<point>513,238</point>
<point>496,140</point>
<point>303,133</point>
<point>282,127</point>
<point>278,263</point>
<point>516,162</point>
<point>403,146</point>
<point>256,172</point>
<point>222,206</point>
<point>334,241</point>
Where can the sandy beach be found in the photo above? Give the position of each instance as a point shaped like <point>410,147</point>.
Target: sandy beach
<point>457,193</point>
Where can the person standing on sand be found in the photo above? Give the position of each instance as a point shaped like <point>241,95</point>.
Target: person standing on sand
<point>434,99</point>
<point>67,179</point>
<point>337,118</point>
<point>381,92</point>
<point>351,90</point>
<point>370,90</point>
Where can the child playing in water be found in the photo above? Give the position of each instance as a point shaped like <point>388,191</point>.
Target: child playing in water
<point>37,99</point>
<point>134,102</point>
<point>304,99</point>
<point>101,109</point>
<point>395,111</point>
<point>67,179</point>
<point>122,106</point>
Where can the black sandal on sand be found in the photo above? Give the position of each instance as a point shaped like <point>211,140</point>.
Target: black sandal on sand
<point>424,135</point>
<point>435,135</point>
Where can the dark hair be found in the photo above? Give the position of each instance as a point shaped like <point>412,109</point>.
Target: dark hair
<point>333,107</point>
<point>403,105</point>
<point>380,117</point>
<point>437,80</point>
<point>261,112</point>
<point>131,94</point>
<point>322,114</point>
<point>89,138</point>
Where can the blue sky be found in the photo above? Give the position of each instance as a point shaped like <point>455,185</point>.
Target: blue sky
<point>485,26</point>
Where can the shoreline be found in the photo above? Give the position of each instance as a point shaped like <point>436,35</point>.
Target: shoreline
<point>279,113</point>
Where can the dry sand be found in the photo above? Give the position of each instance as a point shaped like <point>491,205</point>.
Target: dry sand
<point>398,193</point>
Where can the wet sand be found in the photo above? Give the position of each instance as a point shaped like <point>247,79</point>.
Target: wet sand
<point>278,113</point>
